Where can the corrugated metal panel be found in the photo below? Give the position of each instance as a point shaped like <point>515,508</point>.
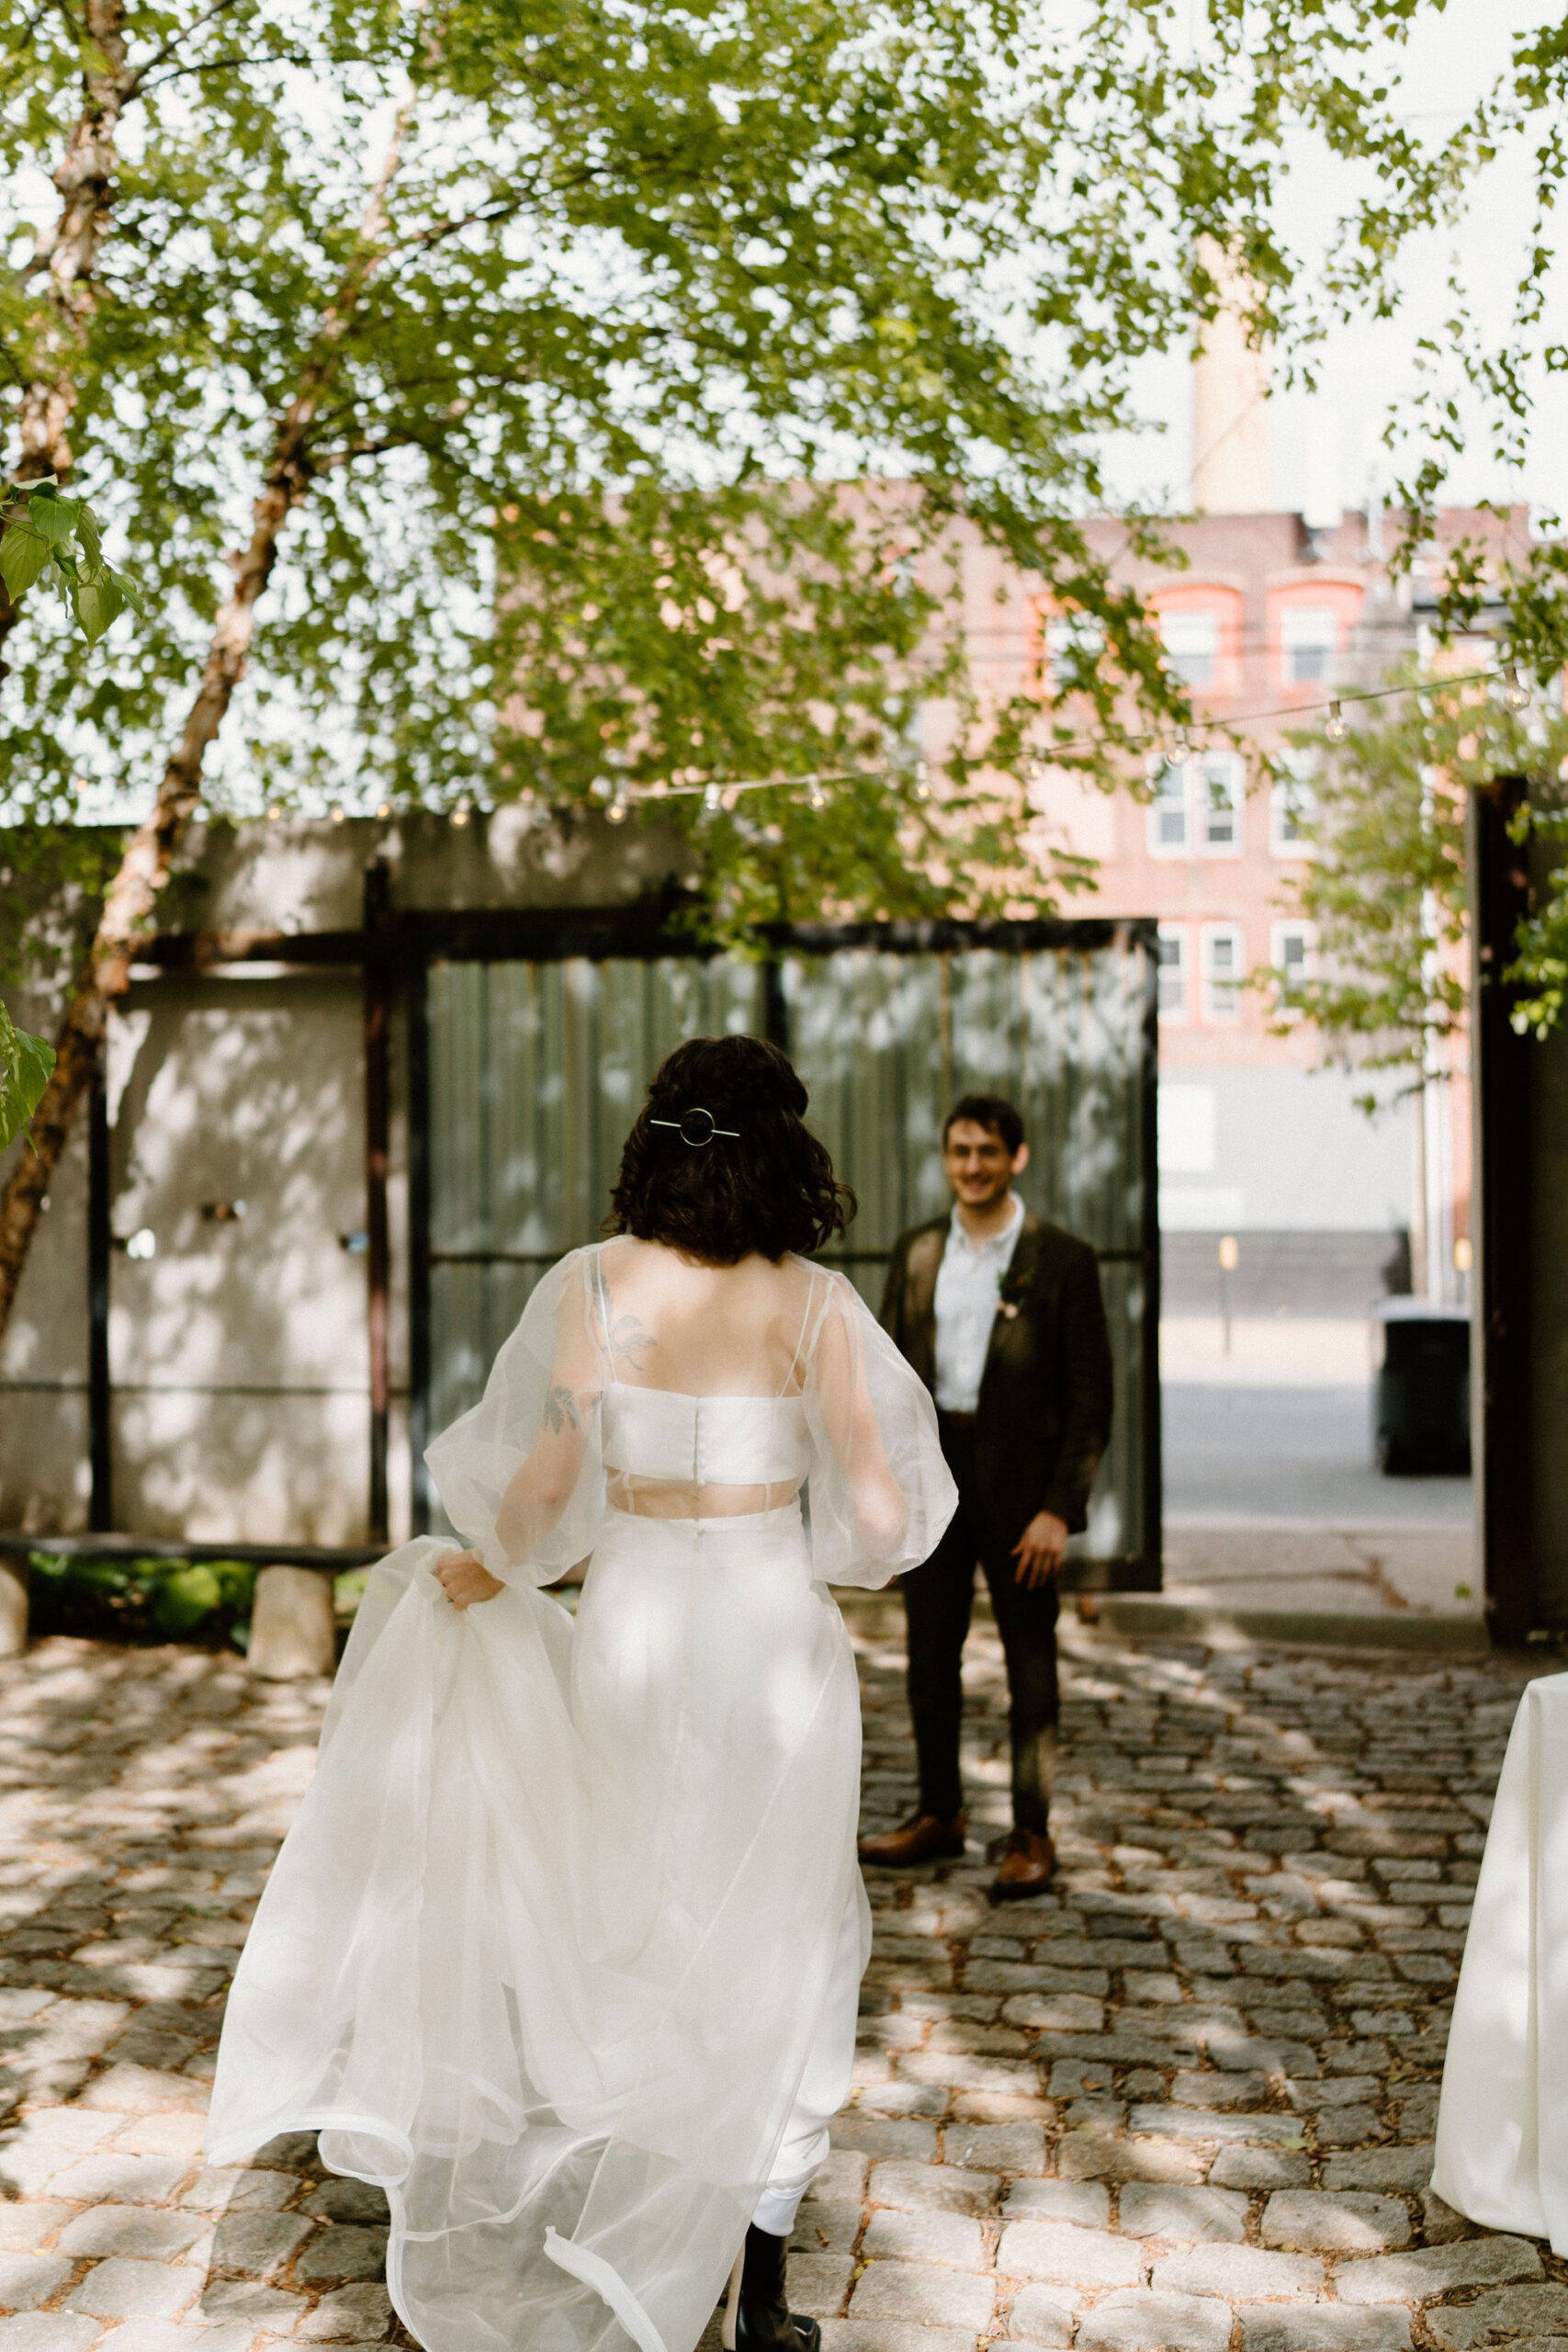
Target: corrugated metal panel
<point>538,1068</point>
<point>889,1042</point>
<point>536,1073</point>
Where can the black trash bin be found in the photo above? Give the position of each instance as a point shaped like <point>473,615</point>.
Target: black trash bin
<point>1421,1402</point>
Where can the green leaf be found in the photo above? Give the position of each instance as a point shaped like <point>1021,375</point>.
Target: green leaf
<point>52,518</point>
<point>25,1065</point>
<point>185,1598</point>
<point>89,537</point>
<point>23,555</point>
<point>97,603</point>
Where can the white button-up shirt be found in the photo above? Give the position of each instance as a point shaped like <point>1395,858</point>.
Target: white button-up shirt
<point>968,1292</point>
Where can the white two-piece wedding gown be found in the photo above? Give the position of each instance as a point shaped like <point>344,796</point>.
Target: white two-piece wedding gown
<point>564,1946</point>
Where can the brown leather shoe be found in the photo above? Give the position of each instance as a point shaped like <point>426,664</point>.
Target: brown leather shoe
<point>1026,1868</point>
<point>921,1838</point>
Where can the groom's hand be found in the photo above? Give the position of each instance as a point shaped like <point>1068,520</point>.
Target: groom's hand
<point>465,1580</point>
<point>1040,1548</point>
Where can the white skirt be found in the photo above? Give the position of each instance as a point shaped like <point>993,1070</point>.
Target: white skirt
<point>559,1947</point>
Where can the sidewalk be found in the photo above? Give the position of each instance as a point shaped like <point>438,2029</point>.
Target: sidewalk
<point>1273,1504</point>
<point>1183,2102</point>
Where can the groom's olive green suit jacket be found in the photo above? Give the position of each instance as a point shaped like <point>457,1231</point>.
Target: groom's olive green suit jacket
<point>1046,1397</point>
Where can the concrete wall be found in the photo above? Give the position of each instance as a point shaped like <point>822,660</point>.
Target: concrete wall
<point>1279,1150</point>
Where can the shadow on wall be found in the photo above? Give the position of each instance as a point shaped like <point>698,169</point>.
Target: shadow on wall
<point>238,1350</point>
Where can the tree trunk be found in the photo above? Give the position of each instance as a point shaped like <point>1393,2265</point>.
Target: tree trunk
<point>129,909</point>
<point>68,251</point>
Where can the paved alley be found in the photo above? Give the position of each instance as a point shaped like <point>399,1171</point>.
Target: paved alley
<point>1182,2105</point>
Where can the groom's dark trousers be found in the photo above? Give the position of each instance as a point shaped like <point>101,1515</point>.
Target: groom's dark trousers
<point>1034,1443</point>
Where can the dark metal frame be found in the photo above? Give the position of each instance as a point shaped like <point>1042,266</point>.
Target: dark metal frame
<point>377,1157</point>
<point>395,948</point>
<point>530,935</point>
<point>100,1246</point>
<point>1504,1071</point>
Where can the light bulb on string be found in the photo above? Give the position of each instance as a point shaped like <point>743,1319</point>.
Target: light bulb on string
<point>338,812</point>
<point>1181,749</point>
<point>384,810</point>
<point>1334,729</point>
<point>615,814</point>
<point>921,787</point>
<point>1515,694</point>
<point>712,799</point>
<point>460,814</point>
<point>275,812</point>
<point>817,797</point>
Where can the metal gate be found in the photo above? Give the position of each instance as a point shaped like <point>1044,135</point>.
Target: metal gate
<point>532,1071</point>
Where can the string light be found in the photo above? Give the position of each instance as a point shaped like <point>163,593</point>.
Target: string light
<point>338,812</point>
<point>619,795</point>
<point>384,810</point>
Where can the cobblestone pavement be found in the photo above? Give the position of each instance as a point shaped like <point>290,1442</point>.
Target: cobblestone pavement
<point>1182,2105</point>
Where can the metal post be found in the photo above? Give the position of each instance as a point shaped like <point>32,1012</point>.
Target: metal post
<point>1503,1342</point>
<point>100,1403</point>
<point>418,1242</point>
<point>377,1147</point>
<point>1153,1545</point>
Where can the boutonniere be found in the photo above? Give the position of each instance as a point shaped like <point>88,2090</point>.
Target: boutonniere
<point>1012,1290</point>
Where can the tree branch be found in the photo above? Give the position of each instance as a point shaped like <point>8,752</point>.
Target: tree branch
<point>129,909</point>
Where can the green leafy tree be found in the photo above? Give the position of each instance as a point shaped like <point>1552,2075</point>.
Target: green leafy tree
<point>1475,385</point>
<point>46,536</point>
<point>457,368</point>
<point>1386,886</point>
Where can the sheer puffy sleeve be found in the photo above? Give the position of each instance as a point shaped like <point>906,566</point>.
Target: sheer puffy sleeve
<point>521,1476</point>
<point>880,1492</point>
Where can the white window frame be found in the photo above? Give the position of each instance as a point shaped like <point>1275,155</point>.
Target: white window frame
<point>1279,937</point>
<point>1290,644</point>
<point>1177,1015</point>
<point>1220,998</point>
<point>1200,662</point>
<point>1228,770</point>
<point>1191,620</point>
<point>1172,791</point>
<point>1290,802</point>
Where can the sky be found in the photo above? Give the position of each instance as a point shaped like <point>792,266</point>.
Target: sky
<point>1327,447</point>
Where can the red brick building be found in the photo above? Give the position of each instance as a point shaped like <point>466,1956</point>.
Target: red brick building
<point>1268,619</point>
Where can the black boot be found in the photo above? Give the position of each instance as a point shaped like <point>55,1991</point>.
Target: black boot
<point>763,2320</point>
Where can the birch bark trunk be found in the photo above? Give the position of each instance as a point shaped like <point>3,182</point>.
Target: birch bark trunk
<point>129,909</point>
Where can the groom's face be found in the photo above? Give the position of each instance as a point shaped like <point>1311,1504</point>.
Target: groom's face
<point>979,1165</point>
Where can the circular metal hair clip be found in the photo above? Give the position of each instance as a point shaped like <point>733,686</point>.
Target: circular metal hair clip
<point>704,1123</point>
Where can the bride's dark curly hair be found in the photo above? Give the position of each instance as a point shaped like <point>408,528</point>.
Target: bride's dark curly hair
<point>771,1188</point>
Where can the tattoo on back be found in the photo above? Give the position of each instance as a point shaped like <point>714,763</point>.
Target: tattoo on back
<point>626,1337</point>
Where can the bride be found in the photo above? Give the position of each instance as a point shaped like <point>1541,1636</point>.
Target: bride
<point>564,1948</point>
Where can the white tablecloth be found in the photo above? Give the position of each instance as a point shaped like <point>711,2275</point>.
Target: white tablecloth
<point>1502,2154</point>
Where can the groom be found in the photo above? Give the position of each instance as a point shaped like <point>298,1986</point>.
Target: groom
<point>1002,1317</point>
